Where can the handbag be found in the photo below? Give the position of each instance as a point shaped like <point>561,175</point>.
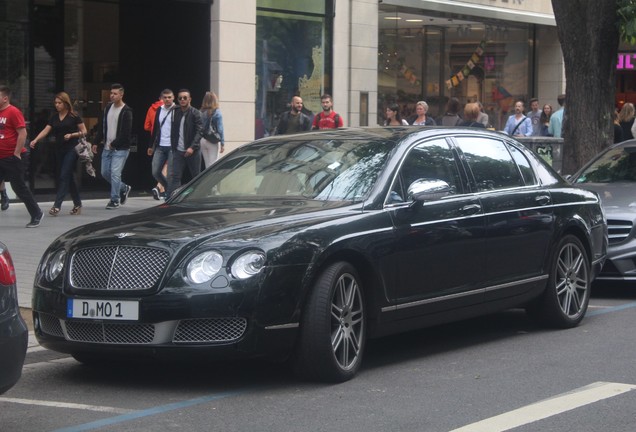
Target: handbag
<point>210,132</point>
<point>85,154</point>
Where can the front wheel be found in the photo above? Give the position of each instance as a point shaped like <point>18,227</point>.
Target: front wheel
<point>332,334</point>
<point>567,295</point>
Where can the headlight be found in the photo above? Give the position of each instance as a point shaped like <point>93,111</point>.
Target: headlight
<point>248,264</point>
<point>204,266</point>
<point>55,265</point>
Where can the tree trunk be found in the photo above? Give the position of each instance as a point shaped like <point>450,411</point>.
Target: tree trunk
<point>589,39</point>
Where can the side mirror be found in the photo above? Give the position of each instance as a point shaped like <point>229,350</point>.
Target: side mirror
<point>422,190</point>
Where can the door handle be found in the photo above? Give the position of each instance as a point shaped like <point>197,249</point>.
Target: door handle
<point>470,209</point>
<point>542,199</point>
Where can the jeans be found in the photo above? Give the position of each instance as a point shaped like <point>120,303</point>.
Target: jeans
<point>113,162</point>
<point>67,161</point>
<point>12,169</point>
<point>161,155</point>
<point>176,167</point>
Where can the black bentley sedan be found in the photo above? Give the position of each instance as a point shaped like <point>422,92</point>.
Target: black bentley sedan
<point>302,247</point>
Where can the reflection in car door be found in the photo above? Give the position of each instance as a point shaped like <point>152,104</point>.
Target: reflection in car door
<point>439,243</point>
<point>519,215</point>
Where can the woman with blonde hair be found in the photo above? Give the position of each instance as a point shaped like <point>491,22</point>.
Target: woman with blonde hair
<point>421,108</point>
<point>68,128</point>
<point>626,120</point>
<point>211,144</point>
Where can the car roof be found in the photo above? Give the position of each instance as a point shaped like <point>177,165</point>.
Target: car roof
<point>393,133</point>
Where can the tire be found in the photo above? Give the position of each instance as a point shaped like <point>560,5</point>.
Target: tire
<point>567,294</point>
<point>333,327</point>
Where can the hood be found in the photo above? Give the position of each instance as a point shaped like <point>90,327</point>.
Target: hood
<point>221,221</point>
<point>616,198</point>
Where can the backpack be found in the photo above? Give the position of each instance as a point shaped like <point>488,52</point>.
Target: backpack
<point>210,131</point>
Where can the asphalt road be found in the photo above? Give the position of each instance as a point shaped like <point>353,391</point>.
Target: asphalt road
<point>495,373</point>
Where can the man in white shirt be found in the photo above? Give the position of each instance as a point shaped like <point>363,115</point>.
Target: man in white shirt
<point>116,132</point>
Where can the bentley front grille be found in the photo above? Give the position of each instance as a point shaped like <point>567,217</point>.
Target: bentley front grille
<point>110,333</point>
<point>187,331</point>
<point>209,330</point>
<point>117,267</point>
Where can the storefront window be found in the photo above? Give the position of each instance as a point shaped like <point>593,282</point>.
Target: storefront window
<point>292,58</point>
<point>13,60</point>
<point>438,57</point>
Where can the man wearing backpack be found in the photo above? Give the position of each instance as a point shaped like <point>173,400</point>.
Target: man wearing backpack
<point>293,121</point>
<point>327,119</point>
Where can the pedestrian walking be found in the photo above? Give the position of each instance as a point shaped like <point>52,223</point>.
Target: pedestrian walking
<point>149,124</point>
<point>294,120</point>
<point>518,124</point>
<point>161,149</point>
<point>67,127</point>
<point>115,141</point>
<point>328,118</point>
<point>186,141</point>
<point>13,154</point>
<point>212,135</point>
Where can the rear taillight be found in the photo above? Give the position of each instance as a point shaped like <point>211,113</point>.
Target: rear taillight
<point>7,270</point>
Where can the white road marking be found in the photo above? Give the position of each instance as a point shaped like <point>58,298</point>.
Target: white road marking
<point>67,405</point>
<point>549,407</point>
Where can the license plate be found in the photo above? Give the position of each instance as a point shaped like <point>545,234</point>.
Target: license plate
<point>103,309</point>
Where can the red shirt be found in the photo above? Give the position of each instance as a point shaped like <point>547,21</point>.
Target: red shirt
<point>11,119</point>
<point>322,121</point>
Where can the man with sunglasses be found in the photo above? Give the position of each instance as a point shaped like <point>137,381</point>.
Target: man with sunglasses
<point>185,137</point>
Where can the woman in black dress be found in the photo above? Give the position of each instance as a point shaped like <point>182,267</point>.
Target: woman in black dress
<point>68,127</point>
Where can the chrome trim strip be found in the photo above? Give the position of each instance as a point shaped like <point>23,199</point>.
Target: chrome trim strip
<point>464,294</point>
<point>283,326</point>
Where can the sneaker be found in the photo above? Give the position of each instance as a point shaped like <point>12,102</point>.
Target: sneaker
<point>4,200</point>
<point>123,196</point>
<point>35,221</point>
<point>156,194</point>
<point>112,205</point>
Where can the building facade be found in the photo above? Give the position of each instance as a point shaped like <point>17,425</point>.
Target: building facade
<point>257,54</point>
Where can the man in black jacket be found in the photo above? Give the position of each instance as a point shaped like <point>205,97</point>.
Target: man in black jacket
<point>293,121</point>
<point>185,137</point>
<point>115,136</point>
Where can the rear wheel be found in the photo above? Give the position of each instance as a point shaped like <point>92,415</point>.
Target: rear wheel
<point>332,335</point>
<point>567,295</point>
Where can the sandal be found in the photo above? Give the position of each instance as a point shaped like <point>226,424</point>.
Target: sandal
<point>76,210</point>
<point>54,211</point>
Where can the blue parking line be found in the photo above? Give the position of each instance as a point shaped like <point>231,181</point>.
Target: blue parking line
<point>150,411</point>
<point>612,309</point>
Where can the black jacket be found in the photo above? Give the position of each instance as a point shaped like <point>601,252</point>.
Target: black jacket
<point>124,128</point>
<point>192,128</point>
<point>281,129</point>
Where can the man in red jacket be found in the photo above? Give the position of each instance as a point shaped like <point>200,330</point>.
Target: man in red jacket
<point>149,124</point>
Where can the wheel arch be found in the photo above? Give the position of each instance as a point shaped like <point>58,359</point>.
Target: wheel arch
<point>369,278</point>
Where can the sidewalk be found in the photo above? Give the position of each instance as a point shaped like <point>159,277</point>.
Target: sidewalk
<point>27,245</point>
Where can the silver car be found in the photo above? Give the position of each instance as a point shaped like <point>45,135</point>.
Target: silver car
<point>612,173</point>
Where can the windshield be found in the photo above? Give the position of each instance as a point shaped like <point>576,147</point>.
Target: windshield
<point>320,169</point>
<point>616,165</point>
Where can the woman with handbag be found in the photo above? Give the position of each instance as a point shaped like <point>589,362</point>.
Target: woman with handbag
<point>212,138</point>
<point>68,128</point>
